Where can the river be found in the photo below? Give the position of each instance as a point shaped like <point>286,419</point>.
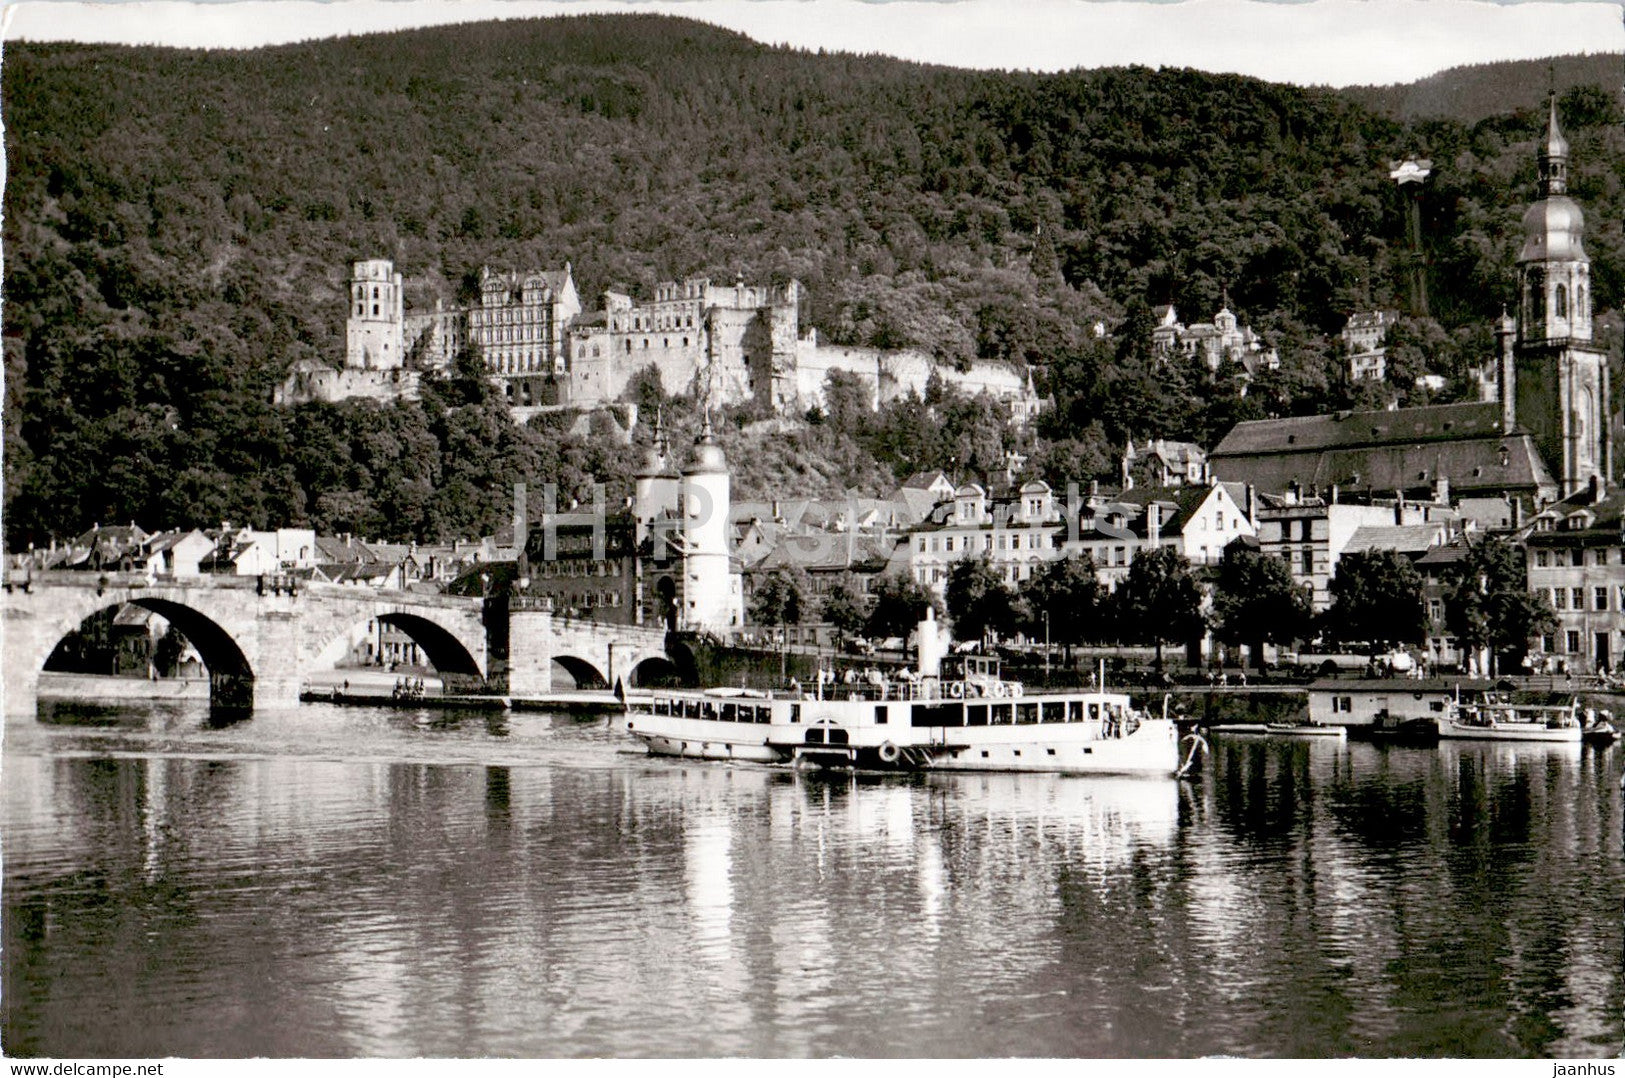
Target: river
<point>351,882</point>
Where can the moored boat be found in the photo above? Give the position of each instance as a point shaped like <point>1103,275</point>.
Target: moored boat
<point>951,714</point>
<point>1497,718</point>
<point>1280,729</point>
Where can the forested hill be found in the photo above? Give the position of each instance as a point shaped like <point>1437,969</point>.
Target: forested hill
<point>178,226</point>
<point>1477,92</point>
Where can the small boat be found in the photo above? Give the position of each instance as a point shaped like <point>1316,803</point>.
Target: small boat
<point>1307,729</point>
<point>1494,717</point>
<point>1282,729</point>
<point>1599,728</point>
<point>954,713</point>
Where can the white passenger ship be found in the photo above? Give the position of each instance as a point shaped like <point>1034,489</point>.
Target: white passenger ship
<point>952,714</point>
<point>1497,718</point>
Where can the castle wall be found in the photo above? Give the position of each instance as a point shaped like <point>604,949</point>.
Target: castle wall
<point>889,375</point>
<point>329,385</point>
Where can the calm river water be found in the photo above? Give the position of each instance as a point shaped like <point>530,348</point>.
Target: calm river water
<point>366,883</point>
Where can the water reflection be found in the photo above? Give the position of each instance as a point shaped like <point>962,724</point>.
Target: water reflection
<point>556,896</point>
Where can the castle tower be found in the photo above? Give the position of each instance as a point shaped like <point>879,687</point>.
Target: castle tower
<point>374,336</point>
<point>1562,376</point>
<point>712,593</point>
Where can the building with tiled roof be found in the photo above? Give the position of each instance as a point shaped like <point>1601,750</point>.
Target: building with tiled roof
<point>1198,521</point>
<point>1401,452</point>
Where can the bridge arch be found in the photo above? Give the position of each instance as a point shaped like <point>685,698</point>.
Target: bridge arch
<point>654,671</point>
<point>586,675</point>
<point>231,675</point>
<point>457,667</point>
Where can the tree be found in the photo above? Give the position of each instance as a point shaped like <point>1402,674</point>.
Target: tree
<point>979,601</point>
<point>166,654</point>
<point>1376,600</point>
<point>1159,600</point>
<point>1070,592</point>
<point>1488,606</point>
<point>843,608</point>
<point>1256,601</point>
<point>900,603</point>
<point>777,600</point>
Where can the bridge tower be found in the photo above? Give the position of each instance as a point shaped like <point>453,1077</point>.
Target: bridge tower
<point>712,592</point>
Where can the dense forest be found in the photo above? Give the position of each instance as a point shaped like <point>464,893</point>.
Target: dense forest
<point>178,225</point>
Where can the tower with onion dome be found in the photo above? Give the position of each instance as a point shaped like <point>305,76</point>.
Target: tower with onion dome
<point>1562,374</point>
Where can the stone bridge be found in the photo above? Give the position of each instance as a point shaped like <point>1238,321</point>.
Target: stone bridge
<point>261,638</point>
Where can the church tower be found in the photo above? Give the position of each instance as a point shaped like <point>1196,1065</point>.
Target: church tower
<point>1562,375</point>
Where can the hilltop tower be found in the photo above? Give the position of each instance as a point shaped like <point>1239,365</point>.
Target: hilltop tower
<point>374,335</point>
<point>1562,375</point>
<point>712,593</point>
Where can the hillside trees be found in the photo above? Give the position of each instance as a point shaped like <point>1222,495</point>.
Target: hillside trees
<point>178,226</point>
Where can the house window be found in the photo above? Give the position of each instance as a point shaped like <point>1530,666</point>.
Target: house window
<point>1542,559</point>
<point>1308,554</point>
<point>1560,598</point>
<point>948,544</point>
<point>922,546</point>
<point>987,542</point>
<point>1599,598</point>
<point>1573,641</point>
<point>1577,596</point>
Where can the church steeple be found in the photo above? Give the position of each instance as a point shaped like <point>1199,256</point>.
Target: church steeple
<point>1553,268</point>
<point>1554,154</point>
<point>1562,376</point>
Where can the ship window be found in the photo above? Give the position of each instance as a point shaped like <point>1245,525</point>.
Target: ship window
<point>1026,713</point>
<point>1001,715</point>
<point>880,714</point>
<point>1094,712</point>
<point>938,715</point>
<point>795,712</point>
<point>837,736</point>
<point>691,709</point>
<point>815,736</point>
<point>728,713</point>
<point>1054,712</point>
<point>1074,711</point>
<point>1050,751</point>
<point>764,714</point>
<point>975,714</point>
